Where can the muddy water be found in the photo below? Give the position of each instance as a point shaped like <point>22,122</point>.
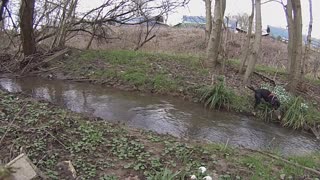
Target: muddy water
<point>165,115</point>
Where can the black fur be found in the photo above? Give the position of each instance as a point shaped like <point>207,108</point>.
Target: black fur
<point>267,96</point>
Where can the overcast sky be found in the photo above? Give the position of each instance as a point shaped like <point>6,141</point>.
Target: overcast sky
<point>272,13</point>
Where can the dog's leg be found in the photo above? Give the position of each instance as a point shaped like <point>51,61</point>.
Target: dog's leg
<point>258,100</point>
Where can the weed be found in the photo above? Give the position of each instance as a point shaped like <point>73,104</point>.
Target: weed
<point>109,177</point>
<point>124,148</point>
<point>90,138</point>
<point>166,174</point>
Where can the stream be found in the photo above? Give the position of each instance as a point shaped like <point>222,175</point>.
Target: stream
<point>164,114</point>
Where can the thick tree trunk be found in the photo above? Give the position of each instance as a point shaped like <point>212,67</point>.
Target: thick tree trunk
<point>247,47</point>
<point>256,45</point>
<point>307,52</point>
<point>288,11</point>
<point>295,68</point>
<point>26,25</point>
<point>215,36</point>
<point>208,20</point>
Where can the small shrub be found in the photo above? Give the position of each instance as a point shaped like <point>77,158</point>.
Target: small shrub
<point>216,96</point>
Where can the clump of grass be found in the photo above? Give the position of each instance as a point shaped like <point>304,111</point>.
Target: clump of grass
<point>217,96</point>
<point>266,112</point>
<point>296,114</point>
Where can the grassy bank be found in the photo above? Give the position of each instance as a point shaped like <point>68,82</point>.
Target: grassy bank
<point>161,73</point>
<point>100,150</point>
<point>178,75</point>
<point>184,76</point>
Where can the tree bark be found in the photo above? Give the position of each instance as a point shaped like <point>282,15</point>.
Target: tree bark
<point>256,45</point>
<point>247,47</point>
<point>215,36</point>
<point>289,17</point>
<point>307,52</point>
<point>296,57</point>
<point>208,20</point>
<point>26,25</point>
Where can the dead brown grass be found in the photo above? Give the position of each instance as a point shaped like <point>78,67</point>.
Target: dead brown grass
<point>184,40</point>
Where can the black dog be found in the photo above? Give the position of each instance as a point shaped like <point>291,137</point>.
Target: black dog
<point>267,96</point>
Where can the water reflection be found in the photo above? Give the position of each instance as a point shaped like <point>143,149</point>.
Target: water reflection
<point>165,115</point>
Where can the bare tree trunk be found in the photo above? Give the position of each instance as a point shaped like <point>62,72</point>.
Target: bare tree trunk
<point>288,11</point>
<point>296,57</point>
<point>26,25</point>
<point>307,52</point>
<point>256,45</point>
<point>225,46</point>
<point>92,37</point>
<point>69,8</point>
<point>247,47</point>
<point>208,20</point>
<point>215,36</point>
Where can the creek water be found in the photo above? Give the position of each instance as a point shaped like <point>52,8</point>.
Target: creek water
<point>165,115</point>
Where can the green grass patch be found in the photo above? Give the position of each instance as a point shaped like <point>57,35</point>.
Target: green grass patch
<point>259,167</point>
<point>156,71</point>
<point>163,83</point>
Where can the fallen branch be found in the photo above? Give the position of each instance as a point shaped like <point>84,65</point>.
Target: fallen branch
<point>265,78</point>
<point>48,59</point>
<point>44,70</point>
<point>286,161</point>
<point>56,139</point>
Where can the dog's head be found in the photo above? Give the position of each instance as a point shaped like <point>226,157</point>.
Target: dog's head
<point>275,103</point>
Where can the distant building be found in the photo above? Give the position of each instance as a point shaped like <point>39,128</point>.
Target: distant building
<point>200,22</point>
<point>282,35</point>
<point>156,20</point>
<point>192,21</point>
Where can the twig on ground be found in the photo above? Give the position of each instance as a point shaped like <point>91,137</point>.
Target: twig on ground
<point>226,145</point>
<point>55,139</point>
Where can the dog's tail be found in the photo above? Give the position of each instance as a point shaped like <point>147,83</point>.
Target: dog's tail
<point>251,88</point>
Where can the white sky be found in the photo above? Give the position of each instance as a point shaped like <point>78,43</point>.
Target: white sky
<point>272,13</point>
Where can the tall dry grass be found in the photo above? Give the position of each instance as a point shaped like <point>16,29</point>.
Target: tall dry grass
<point>183,40</point>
